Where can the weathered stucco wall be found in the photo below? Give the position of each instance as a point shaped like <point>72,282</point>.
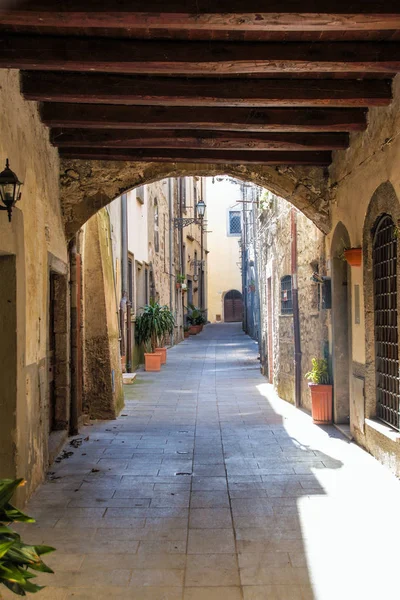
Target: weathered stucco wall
<point>103,394</point>
<point>35,235</point>
<point>274,260</point>
<point>356,174</point>
<point>87,186</point>
<point>224,258</point>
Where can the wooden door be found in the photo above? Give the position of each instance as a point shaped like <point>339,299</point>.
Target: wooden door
<point>233,307</point>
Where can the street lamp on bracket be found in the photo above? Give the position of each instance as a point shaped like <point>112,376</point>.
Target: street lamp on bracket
<point>181,222</point>
<point>9,189</point>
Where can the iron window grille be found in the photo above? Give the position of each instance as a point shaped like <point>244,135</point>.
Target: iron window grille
<point>385,322</point>
<point>235,222</point>
<point>286,295</point>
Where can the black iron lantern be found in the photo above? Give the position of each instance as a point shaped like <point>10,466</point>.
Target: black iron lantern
<point>200,209</point>
<point>9,189</point>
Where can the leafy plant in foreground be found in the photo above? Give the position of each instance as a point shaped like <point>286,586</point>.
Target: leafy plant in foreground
<point>153,324</point>
<point>17,559</point>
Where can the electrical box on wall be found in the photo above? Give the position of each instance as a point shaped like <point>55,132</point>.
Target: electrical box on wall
<point>326,296</point>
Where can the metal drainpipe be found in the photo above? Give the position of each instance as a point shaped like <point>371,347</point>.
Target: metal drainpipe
<point>296,313</point>
<point>171,233</point>
<point>256,275</point>
<point>124,279</point>
<point>244,260</point>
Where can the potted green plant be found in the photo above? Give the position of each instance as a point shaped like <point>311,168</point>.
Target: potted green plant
<point>196,319</point>
<point>186,331</point>
<point>151,326</point>
<point>321,391</point>
<point>18,560</point>
<point>180,280</point>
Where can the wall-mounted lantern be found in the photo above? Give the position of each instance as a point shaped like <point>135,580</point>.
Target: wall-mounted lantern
<point>9,189</point>
<point>181,222</point>
<point>200,209</point>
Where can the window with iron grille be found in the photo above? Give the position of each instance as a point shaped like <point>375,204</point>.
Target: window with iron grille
<point>385,321</point>
<point>286,295</point>
<point>235,222</point>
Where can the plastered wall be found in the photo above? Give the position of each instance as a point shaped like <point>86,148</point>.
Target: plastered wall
<point>35,238</point>
<point>224,258</point>
<point>372,161</point>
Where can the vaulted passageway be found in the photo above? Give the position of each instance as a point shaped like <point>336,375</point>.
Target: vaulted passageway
<point>208,486</point>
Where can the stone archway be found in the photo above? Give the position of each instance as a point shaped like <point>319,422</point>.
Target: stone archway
<point>89,185</point>
<point>341,325</point>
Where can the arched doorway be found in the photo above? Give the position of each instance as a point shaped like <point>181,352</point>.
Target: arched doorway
<point>233,307</point>
<point>341,323</point>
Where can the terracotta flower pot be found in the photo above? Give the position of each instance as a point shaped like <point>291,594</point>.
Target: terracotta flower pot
<point>321,403</point>
<point>194,329</point>
<point>186,334</point>
<point>163,352</point>
<point>353,256</point>
<point>152,361</point>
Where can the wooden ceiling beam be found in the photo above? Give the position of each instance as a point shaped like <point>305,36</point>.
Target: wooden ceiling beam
<point>120,89</point>
<point>57,53</point>
<point>199,156</point>
<point>257,15</point>
<point>212,140</point>
<point>91,116</point>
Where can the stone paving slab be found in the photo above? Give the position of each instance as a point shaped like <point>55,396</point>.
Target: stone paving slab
<point>212,488</point>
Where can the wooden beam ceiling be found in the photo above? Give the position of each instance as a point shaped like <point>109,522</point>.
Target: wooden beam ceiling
<point>207,14</point>
<point>196,58</point>
<point>200,156</point>
<point>213,140</point>
<point>166,91</point>
<point>91,116</point>
<point>203,80</point>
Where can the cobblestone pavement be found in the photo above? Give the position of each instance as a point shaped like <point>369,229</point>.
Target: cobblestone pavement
<point>209,487</point>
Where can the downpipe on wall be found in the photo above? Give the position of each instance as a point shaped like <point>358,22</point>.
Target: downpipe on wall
<point>171,234</point>
<point>296,314</point>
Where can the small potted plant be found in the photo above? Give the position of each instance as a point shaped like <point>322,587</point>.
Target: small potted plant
<point>321,391</point>
<point>196,319</point>
<point>186,331</point>
<point>353,256</point>
<point>151,326</point>
<point>180,280</point>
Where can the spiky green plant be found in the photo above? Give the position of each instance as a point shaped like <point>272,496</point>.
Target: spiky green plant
<point>195,316</point>
<point>319,373</point>
<point>153,324</point>
<point>17,559</point>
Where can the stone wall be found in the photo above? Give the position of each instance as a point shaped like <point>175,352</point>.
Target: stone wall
<point>35,243</point>
<point>273,250</point>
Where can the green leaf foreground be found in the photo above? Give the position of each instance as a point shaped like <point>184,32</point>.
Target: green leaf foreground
<point>17,559</point>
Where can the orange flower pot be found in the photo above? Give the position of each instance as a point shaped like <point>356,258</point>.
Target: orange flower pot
<point>163,352</point>
<point>194,329</point>
<point>353,256</point>
<point>186,334</point>
<point>321,403</point>
<point>152,361</point>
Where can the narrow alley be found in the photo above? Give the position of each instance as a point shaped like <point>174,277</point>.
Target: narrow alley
<point>210,487</point>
